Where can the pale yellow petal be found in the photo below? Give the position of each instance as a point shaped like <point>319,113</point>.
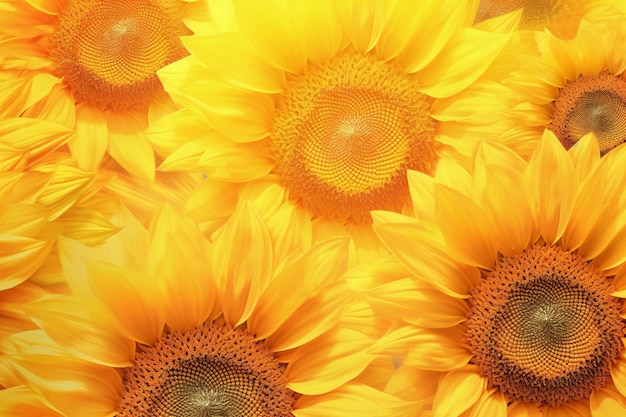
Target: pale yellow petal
<point>129,146</point>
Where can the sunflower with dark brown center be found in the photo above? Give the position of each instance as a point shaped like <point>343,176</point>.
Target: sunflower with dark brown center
<point>516,307</point>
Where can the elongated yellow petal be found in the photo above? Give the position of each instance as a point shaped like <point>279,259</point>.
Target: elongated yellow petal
<point>328,362</point>
<point>353,400</point>
<point>491,403</point>
<point>20,257</point>
<point>129,146</point>
<point>458,391</point>
<point>65,317</point>
<point>244,274</point>
<point>75,387</point>
<point>20,401</point>
<point>179,262</point>
<point>429,260</point>
<point>520,409</point>
<point>92,137</point>
<point>550,186</point>
<point>320,266</point>
<point>469,232</point>
<point>438,350</point>
<point>468,54</point>
<point>269,25</point>
<point>232,57</point>
<point>607,402</point>
<point>497,184</point>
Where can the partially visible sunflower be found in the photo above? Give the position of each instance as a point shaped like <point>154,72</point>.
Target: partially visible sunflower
<point>515,306</point>
<point>247,325</point>
<point>561,17</point>
<point>330,101</point>
<point>91,66</point>
<point>574,87</point>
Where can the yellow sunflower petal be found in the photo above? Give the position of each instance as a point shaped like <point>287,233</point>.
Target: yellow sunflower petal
<point>430,262</point>
<point>86,225</point>
<point>520,409</point>
<point>497,180</point>
<point>320,45</point>
<point>23,402</point>
<point>328,362</point>
<point>353,400</point>
<point>46,6</point>
<point>39,137</point>
<point>468,54</point>
<point>178,259</point>
<point>20,257</point>
<point>58,106</point>
<point>427,31</point>
<point>586,156</point>
<point>365,22</point>
<point>129,146</point>
<point>75,387</point>
<point>492,403</point>
<point>269,25</point>
<point>618,375</point>
<point>232,57</point>
<point>65,317</point>
<point>606,402</point>
<point>92,137</point>
<point>23,219</point>
<point>65,189</point>
<point>132,297</point>
<point>438,350</point>
<point>201,203</point>
<point>321,265</point>
<point>244,275</point>
<point>550,186</point>
<point>458,391</point>
<point>468,231</point>
<point>421,187</point>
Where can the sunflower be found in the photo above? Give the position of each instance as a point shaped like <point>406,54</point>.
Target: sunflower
<point>516,301</point>
<point>561,17</point>
<point>246,325</point>
<point>91,66</point>
<point>574,87</point>
<point>331,102</point>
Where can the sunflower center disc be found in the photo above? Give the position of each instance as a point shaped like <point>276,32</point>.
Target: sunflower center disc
<point>108,51</point>
<point>213,371</point>
<point>345,134</point>
<point>592,104</point>
<point>561,16</point>
<point>544,328</point>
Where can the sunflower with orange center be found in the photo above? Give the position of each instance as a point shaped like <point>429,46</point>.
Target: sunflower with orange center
<point>331,101</point>
<point>515,301</point>
<point>561,17</point>
<point>91,66</point>
<point>574,87</point>
<point>245,326</point>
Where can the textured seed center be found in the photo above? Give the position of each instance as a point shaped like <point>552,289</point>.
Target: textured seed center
<point>212,371</point>
<point>345,134</point>
<point>544,328</point>
<point>108,51</point>
<point>592,104</point>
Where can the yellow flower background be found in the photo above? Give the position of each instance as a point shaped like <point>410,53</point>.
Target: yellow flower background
<point>310,208</point>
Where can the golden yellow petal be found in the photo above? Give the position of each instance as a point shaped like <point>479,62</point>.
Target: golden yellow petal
<point>316,268</point>
<point>328,362</point>
<point>92,137</point>
<point>458,391</point>
<point>179,262</point>
<point>520,409</point>
<point>100,341</point>
<point>430,262</point>
<point>606,402</point>
<point>468,231</point>
<point>550,187</point>
<point>75,387</point>
<point>20,401</point>
<point>129,146</point>
<point>492,403</point>
<point>20,258</point>
<point>438,350</point>
<point>233,58</point>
